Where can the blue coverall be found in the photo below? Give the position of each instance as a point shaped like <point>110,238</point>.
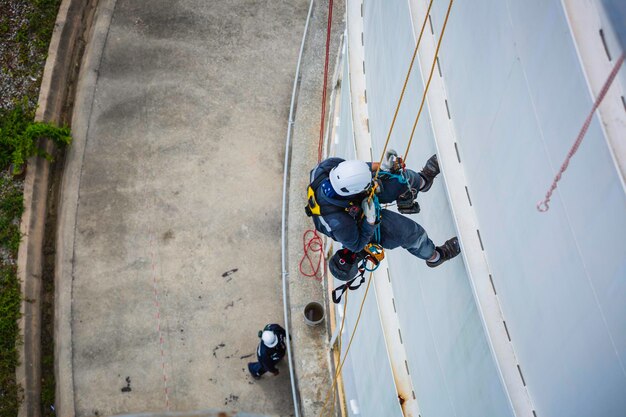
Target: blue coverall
<point>268,357</point>
<point>354,233</point>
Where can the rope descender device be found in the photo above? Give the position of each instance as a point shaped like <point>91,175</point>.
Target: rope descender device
<point>398,165</point>
<point>375,253</point>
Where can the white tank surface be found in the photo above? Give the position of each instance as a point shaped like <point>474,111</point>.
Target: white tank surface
<point>531,320</point>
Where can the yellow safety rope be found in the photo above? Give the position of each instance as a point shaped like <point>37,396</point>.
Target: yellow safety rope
<point>356,325</point>
<point>432,68</point>
<point>406,81</point>
<point>343,320</point>
<point>395,114</point>
<point>430,77</point>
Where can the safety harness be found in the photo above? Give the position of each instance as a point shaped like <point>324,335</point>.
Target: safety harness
<point>314,209</point>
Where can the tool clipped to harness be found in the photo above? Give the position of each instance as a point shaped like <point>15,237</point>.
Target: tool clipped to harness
<point>349,266</point>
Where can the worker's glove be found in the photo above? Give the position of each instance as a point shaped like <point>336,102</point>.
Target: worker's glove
<point>389,162</point>
<point>369,210</point>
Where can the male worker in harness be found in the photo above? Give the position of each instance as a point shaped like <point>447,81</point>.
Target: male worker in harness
<point>342,210</point>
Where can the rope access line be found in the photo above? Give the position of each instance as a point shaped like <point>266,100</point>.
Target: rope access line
<point>315,243</point>
<point>406,81</point>
<point>542,205</point>
<point>343,320</point>
<point>432,68</point>
<point>320,146</point>
<point>356,325</point>
<point>430,77</point>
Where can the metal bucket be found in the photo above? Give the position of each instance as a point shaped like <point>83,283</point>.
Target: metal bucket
<point>313,313</point>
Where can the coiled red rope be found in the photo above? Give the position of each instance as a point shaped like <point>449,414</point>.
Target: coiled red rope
<point>311,244</point>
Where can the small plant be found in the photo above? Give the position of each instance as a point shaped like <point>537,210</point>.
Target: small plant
<point>19,136</point>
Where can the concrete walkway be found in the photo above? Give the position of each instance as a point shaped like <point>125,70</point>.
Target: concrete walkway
<point>171,206</point>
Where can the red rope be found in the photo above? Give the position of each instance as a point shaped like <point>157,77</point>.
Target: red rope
<point>543,206</point>
<point>328,27</point>
<point>314,243</point>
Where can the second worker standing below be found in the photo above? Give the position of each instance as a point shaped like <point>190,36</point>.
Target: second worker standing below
<point>341,209</point>
<point>270,351</point>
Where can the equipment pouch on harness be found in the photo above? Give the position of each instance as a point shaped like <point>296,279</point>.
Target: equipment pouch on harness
<point>312,208</point>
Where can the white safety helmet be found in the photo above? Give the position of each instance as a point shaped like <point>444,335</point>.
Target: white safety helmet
<point>351,177</point>
<point>269,338</point>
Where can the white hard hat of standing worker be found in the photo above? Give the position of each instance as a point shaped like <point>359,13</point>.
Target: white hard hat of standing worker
<point>350,178</point>
<point>269,338</point>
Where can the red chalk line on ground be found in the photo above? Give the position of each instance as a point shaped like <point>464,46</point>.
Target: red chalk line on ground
<point>157,305</point>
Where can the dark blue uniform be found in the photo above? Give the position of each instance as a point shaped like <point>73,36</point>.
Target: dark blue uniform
<point>355,233</point>
<point>268,357</point>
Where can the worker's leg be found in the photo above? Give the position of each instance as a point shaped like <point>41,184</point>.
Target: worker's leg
<point>397,230</point>
<point>415,180</point>
<point>256,369</point>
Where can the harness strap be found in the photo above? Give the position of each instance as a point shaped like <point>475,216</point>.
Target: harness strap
<point>348,286</point>
<point>314,209</point>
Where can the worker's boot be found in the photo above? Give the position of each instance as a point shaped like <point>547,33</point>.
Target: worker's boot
<point>252,369</point>
<point>447,251</point>
<point>429,172</point>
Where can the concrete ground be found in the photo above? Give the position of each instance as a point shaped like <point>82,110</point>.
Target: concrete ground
<point>175,182</point>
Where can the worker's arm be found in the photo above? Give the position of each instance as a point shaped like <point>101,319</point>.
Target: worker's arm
<point>374,166</point>
<point>353,237</point>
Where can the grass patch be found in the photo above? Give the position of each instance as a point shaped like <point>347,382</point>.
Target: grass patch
<point>19,139</point>
<point>11,208</point>
<point>25,30</point>
<point>10,298</point>
<point>19,136</point>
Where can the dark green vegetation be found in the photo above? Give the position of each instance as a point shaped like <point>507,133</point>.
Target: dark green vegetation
<point>25,31</point>
<point>19,136</point>
<point>11,208</point>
